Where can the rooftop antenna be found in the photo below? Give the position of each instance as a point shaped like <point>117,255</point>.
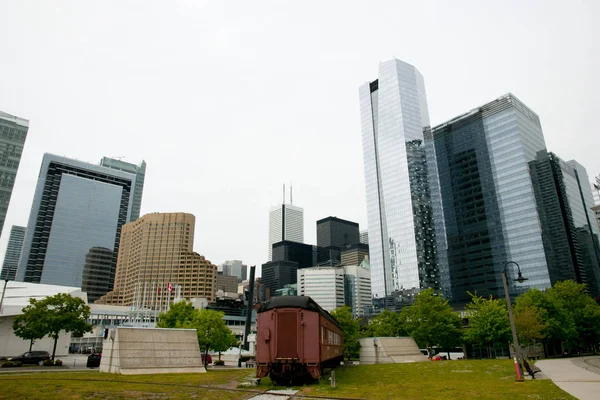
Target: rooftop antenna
<point>284,193</point>
<point>291,199</point>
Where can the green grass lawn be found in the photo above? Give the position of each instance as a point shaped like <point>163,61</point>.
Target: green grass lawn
<point>460,379</point>
<point>457,379</point>
<point>94,385</point>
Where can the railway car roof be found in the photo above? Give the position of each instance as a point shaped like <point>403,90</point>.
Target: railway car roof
<point>304,302</point>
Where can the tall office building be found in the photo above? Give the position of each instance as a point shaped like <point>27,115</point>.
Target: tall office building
<point>76,207</point>
<point>332,234</point>
<point>286,222</point>
<point>277,274</point>
<point>156,254</point>
<point>596,194</point>
<point>569,228</point>
<point>96,272</point>
<point>354,254</point>
<point>13,132</point>
<point>325,285</point>
<point>140,176</point>
<point>13,252</point>
<point>402,236</point>
<point>364,236</point>
<point>303,254</point>
<point>487,197</point>
<point>234,268</point>
<point>357,288</point>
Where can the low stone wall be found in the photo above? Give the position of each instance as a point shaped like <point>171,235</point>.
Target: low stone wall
<point>389,350</point>
<point>131,351</point>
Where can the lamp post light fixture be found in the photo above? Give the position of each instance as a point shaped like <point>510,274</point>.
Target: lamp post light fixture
<point>519,279</point>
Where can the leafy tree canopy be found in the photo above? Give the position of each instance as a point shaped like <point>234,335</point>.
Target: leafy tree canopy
<point>351,328</point>
<point>529,324</point>
<point>386,324</point>
<point>488,321</point>
<point>211,331</point>
<point>28,326</point>
<point>178,315</point>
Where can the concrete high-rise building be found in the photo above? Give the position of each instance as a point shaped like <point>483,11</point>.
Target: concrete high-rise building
<point>357,288</point>
<point>76,207</point>
<point>140,175</point>
<point>325,285</point>
<point>569,226</point>
<point>227,283</point>
<point>157,253</point>
<point>332,234</point>
<point>596,194</point>
<point>286,222</point>
<point>13,132</point>
<point>364,236</point>
<point>398,179</point>
<point>488,199</point>
<point>13,252</point>
<point>234,268</point>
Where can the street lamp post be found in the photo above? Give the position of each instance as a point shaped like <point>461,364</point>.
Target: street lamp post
<point>519,279</point>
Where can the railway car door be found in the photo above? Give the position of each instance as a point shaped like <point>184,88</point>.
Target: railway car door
<point>287,335</point>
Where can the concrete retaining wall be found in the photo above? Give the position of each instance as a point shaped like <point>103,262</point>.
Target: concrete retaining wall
<point>131,351</point>
<point>389,350</point>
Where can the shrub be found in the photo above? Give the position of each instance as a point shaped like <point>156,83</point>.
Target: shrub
<point>48,363</point>
<point>11,364</point>
<point>221,362</point>
<point>57,363</point>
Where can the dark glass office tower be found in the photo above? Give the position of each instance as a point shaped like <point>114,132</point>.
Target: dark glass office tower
<point>13,131</point>
<point>97,272</point>
<point>277,274</point>
<point>77,207</point>
<point>487,198</point>
<point>332,235</point>
<point>302,253</point>
<point>569,230</point>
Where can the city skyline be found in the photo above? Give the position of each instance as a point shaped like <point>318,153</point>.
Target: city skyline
<point>93,97</point>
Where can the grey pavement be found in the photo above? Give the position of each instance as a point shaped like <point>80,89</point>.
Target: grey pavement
<point>579,377</point>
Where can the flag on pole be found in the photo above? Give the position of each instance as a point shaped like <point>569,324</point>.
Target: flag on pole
<point>170,287</point>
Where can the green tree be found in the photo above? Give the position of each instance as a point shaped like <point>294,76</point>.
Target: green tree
<point>350,326</point>
<point>575,302</point>
<point>488,322</point>
<point>386,324</point>
<point>28,325</point>
<point>211,331</point>
<point>178,315</point>
<point>61,312</point>
<point>431,322</point>
<point>529,324</point>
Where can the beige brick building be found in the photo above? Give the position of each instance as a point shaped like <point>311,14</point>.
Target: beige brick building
<point>155,251</point>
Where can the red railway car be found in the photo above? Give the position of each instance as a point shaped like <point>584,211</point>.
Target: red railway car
<point>295,339</point>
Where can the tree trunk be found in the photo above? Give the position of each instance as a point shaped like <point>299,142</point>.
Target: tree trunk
<point>54,349</point>
<point>219,356</point>
<point>30,344</point>
<point>205,357</point>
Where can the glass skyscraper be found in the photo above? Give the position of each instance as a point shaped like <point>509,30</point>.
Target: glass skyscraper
<point>487,198</point>
<point>286,222</point>
<point>13,252</point>
<point>402,235</point>
<point>13,131</point>
<point>77,207</point>
<point>140,175</point>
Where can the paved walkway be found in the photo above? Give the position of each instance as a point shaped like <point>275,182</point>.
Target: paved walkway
<point>579,377</point>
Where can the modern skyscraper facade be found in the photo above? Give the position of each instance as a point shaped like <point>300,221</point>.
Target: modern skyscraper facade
<point>569,228</point>
<point>301,253</point>
<point>140,176</point>
<point>97,272</point>
<point>227,283</point>
<point>487,197</point>
<point>13,252</point>
<point>364,236</point>
<point>354,254</point>
<point>357,288</point>
<point>156,254</point>
<point>332,234</point>
<point>13,132</point>
<point>286,222</point>
<point>277,274</point>
<point>402,236</point>
<point>76,207</point>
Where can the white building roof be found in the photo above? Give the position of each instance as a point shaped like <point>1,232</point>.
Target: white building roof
<point>18,294</point>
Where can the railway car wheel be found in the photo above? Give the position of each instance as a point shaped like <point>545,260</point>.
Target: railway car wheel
<point>280,380</point>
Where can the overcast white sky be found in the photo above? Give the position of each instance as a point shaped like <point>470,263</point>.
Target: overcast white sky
<point>227,100</point>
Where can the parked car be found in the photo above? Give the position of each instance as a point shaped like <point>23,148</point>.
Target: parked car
<point>32,357</point>
<point>209,359</point>
<point>93,360</point>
